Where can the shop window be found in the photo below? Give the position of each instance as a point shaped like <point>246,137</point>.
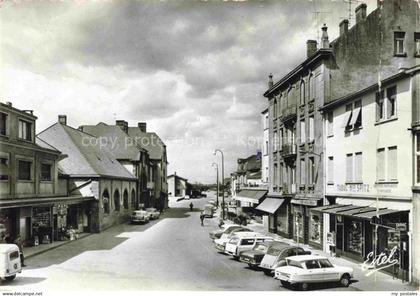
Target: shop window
<point>354,237</point>
<point>315,227</point>
<point>3,124</point>
<point>330,172</point>
<point>46,172</point>
<point>24,170</point>
<point>399,43</point>
<point>380,164</point>
<point>25,130</point>
<point>330,124</point>
<point>302,131</point>
<point>4,167</point>
<point>417,44</point>
<point>298,227</point>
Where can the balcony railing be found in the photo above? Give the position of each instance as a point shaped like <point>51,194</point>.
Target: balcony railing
<point>288,150</point>
<point>289,113</point>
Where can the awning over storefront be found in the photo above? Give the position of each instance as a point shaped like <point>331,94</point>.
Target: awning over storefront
<point>4,204</point>
<point>355,211</point>
<point>270,205</point>
<point>251,196</point>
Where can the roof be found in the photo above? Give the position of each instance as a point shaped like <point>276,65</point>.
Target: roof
<point>118,142</point>
<point>149,141</point>
<point>86,157</point>
<point>302,258</point>
<point>179,177</point>
<point>7,248</point>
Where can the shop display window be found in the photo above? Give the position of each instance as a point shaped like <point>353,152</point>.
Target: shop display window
<point>315,227</point>
<point>299,224</point>
<point>355,237</point>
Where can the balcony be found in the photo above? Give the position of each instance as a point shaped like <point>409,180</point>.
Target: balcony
<point>289,113</point>
<point>288,150</point>
<point>289,188</point>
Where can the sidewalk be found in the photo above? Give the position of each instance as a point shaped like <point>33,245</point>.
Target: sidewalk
<point>42,248</point>
<point>379,281</point>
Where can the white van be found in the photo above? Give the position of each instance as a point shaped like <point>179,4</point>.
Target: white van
<point>9,261</point>
<point>244,242</point>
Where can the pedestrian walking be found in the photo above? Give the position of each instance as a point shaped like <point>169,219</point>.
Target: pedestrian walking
<point>191,206</point>
<point>202,218</point>
<point>18,242</point>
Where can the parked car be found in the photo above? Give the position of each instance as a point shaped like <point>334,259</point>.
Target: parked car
<point>154,213</point>
<point>10,264</point>
<point>253,257</point>
<point>276,255</point>
<point>244,241</point>
<point>303,270</point>
<point>226,229</point>
<point>220,243</point>
<point>140,216</point>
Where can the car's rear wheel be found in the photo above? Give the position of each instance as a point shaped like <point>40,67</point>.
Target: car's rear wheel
<point>285,284</point>
<point>267,272</point>
<point>304,286</point>
<point>345,280</point>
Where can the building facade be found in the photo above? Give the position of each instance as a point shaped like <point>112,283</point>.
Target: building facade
<point>265,145</point>
<point>178,186</point>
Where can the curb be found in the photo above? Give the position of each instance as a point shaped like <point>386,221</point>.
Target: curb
<point>55,247</point>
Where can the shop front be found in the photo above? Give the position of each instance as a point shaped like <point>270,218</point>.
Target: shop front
<point>248,200</point>
<point>307,227</point>
<point>364,233</point>
<point>271,206</point>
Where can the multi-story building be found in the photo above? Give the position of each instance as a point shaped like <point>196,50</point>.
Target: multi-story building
<point>96,172</point>
<point>264,150</point>
<point>36,198</point>
<point>370,151</point>
<point>378,45</point>
<point>158,170</point>
<point>128,152</point>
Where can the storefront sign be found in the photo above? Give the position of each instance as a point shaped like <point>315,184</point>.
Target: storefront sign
<point>353,187</point>
<point>401,226</point>
<point>305,202</point>
<point>381,261</point>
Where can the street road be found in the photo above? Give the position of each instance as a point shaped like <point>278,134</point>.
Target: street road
<point>172,253</point>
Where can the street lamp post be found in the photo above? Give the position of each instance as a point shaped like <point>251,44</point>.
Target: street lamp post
<point>217,180</point>
<point>223,182</point>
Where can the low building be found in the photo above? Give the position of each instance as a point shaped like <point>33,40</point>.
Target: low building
<point>96,172</point>
<point>36,198</point>
<point>178,186</point>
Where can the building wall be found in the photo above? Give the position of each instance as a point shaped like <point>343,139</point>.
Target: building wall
<point>265,145</point>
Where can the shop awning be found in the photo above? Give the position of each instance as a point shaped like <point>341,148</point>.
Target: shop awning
<point>340,210</point>
<point>14,203</point>
<point>270,205</point>
<point>320,209</point>
<point>251,196</point>
<point>381,212</point>
<point>313,201</point>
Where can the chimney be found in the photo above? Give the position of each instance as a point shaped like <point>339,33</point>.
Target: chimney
<point>62,119</point>
<point>361,12</point>
<point>325,43</point>
<point>270,80</point>
<point>142,126</point>
<point>311,47</point>
<point>122,124</point>
<point>344,27</point>
<point>9,104</point>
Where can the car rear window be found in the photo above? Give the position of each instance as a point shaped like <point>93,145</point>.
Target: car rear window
<point>247,242</point>
<point>312,264</point>
<point>260,247</point>
<point>273,251</point>
<point>14,255</point>
<point>234,240</point>
<point>325,263</point>
<point>294,263</point>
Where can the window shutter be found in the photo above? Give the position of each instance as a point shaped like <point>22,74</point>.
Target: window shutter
<point>330,169</point>
<point>392,164</point>
<point>349,167</point>
<point>358,167</point>
<point>381,164</point>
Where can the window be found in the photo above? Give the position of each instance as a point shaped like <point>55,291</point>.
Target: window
<point>275,175</point>
<point>312,264</point>
<point>275,109</point>
<point>358,164</point>
<point>3,123</point>
<point>4,167</point>
<point>311,128</point>
<point>399,47</point>
<point>391,94</point>
<point>311,170</point>
<point>302,131</point>
<point>417,43</point>
<point>347,116</point>
<point>392,164</point>
<point>25,130</point>
<point>302,172</point>
<point>318,86</point>
<point>302,93</point>
<point>46,172</point>
<point>281,138</point>
<point>349,167</point>
<point>24,170</point>
<point>247,242</point>
<point>325,263</point>
<point>266,122</point>
<point>353,116</point>
<point>311,87</point>
<point>294,263</point>
<point>117,202</point>
<point>330,170</point>
<point>330,124</point>
<point>380,165</point>
<point>125,199</point>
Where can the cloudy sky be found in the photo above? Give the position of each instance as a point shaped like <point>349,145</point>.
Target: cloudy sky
<point>195,71</point>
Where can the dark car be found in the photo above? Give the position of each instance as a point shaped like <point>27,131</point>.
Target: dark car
<point>253,257</point>
<point>276,254</point>
<point>227,229</point>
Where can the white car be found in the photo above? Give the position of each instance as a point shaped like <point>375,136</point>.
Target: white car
<point>305,269</point>
<point>220,243</point>
<point>154,213</point>
<point>140,216</point>
<point>244,241</point>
